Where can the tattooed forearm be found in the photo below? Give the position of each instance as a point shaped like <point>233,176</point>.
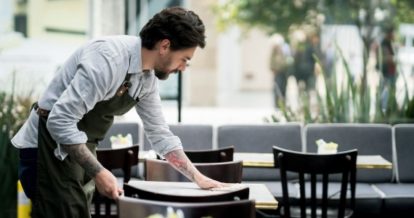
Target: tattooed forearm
<point>81,154</point>
<point>179,161</point>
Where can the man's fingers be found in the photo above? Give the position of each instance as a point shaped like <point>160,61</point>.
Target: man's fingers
<point>120,191</point>
<point>115,194</point>
<point>229,187</point>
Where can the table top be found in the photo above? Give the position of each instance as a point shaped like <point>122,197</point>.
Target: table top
<point>265,160</point>
<point>258,192</point>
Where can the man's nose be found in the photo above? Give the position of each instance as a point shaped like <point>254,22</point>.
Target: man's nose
<point>182,67</point>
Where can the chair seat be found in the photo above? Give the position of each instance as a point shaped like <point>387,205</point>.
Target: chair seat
<point>398,199</point>
<point>367,200</point>
<point>363,191</point>
<point>396,190</point>
<point>331,212</point>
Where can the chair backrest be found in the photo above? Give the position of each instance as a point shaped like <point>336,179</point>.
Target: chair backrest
<point>314,165</point>
<point>260,138</point>
<point>404,143</point>
<point>160,170</point>
<point>119,158</point>
<point>211,155</point>
<point>138,208</point>
<point>111,159</point>
<point>122,128</point>
<point>192,136</point>
<point>136,192</point>
<point>369,139</point>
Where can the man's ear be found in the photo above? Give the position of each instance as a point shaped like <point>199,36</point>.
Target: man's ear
<point>164,46</point>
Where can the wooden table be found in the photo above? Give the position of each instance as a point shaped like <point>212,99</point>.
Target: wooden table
<point>265,160</point>
<point>258,192</point>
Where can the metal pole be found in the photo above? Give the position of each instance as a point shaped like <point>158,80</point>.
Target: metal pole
<point>179,95</point>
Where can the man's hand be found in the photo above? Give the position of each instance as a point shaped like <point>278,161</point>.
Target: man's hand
<point>107,185</point>
<point>207,183</point>
<point>104,180</point>
<point>180,162</point>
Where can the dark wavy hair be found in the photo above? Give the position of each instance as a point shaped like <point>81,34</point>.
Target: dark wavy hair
<point>182,27</point>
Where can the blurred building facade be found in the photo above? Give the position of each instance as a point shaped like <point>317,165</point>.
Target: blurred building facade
<point>226,68</point>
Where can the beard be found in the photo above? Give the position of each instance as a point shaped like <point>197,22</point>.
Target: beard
<point>162,72</point>
<point>161,75</point>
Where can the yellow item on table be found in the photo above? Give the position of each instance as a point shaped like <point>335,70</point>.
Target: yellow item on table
<point>326,148</point>
<point>120,141</point>
<point>24,205</point>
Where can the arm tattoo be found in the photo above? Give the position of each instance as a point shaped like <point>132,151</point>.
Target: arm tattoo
<point>81,154</point>
<point>180,161</point>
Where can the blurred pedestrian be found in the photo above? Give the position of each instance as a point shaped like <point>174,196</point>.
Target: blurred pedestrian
<point>388,64</point>
<point>305,61</point>
<point>280,62</point>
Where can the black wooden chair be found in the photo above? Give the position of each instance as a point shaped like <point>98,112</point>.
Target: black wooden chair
<point>124,128</point>
<point>342,164</point>
<point>138,208</point>
<point>160,170</point>
<point>259,139</point>
<point>136,192</point>
<point>210,156</point>
<point>369,139</point>
<point>120,158</point>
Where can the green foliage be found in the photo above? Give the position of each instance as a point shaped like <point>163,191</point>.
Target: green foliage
<point>270,15</point>
<point>346,102</point>
<point>13,112</point>
<point>281,15</point>
<point>404,11</point>
<point>343,102</point>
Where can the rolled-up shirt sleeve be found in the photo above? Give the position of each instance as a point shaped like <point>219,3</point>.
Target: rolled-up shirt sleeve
<point>149,109</point>
<point>91,83</point>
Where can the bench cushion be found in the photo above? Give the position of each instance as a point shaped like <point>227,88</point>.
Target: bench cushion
<point>260,139</point>
<point>398,199</point>
<point>369,139</point>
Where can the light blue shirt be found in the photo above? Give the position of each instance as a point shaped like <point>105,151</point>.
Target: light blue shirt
<point>93,74</point>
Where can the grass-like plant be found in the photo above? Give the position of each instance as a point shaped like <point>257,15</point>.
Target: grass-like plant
<point>349,102</point>
<point>13,112</point>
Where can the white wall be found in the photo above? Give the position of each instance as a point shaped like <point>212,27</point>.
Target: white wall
<point>255,73</point>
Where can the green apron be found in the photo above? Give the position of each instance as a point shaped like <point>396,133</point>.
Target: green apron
<point>63,188</point>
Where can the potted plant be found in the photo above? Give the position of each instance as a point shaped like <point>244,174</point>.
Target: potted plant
<point>13,112</point>
<point>348,102</point>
